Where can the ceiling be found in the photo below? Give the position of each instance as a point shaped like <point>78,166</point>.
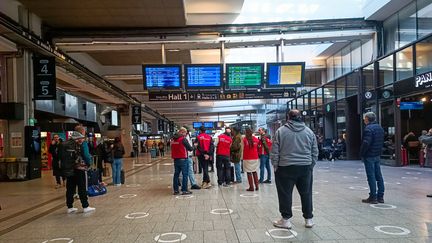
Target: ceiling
<point>138,57</point>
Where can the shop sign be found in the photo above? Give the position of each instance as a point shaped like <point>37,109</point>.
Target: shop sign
<point>423,80</point>
<point>136,114</point>
<point>369,95</point>
<point>44,78</point>
<point>304,113</point>
<point>385,94</point>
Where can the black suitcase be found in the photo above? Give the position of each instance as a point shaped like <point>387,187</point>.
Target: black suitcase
<point>122,177</point>
<point>232,173</point>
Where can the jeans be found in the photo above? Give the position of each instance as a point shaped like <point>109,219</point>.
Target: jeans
<point>223,169</point>
<point>191,172</point>
<point>204,165</point>
<point>181,166</point>
<point>72,182</point>
<point>264,162</point>
<point>116,170</point>
<point>237,168</point>
<point>374,176</point>
<point>288,176</point>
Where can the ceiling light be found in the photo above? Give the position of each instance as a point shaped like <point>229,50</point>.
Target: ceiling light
<point>173,50</point>
<point>423,99</point>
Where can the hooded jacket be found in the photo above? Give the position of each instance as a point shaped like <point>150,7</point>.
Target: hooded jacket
<point>294,144</point>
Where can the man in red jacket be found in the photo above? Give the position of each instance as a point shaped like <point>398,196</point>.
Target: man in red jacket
<point>205,149</point>
<point>223,158</point>
<point>264,146</point>
<point>179,152</point>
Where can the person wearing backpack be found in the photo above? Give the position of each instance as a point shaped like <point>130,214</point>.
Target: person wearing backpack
<point>74,168</point>
<point>118,152</point>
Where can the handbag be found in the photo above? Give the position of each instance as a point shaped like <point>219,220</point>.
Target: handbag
<point>96,190</point>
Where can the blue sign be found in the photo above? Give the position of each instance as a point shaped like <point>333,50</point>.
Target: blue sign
<point>197,124</point>
<point>162,76</point>
<point>203,76</point>
<point>209,124</point>
<point>415,105</point>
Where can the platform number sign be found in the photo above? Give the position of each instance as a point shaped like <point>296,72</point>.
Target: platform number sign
<point>44,78</point>
<point>136,114</point>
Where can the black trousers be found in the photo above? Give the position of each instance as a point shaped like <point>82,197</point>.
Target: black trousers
<point>300,176</point>
<point>77,180</point>
<point>223,169</point>
<point>205,165</point>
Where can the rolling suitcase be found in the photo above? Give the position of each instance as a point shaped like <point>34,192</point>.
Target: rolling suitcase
<point>404,156</point>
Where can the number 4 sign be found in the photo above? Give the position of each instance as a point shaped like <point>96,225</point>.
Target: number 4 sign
<point>44,78</point>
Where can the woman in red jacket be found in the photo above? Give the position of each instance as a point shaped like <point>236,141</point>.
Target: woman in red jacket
<point>251,159</point>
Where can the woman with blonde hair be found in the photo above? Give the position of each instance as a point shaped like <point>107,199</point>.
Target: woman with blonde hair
<point>251,159</point>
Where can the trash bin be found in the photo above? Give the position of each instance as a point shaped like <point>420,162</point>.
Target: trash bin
<point>153,153</point>
<point>22,168</point>
<point>12,168</point>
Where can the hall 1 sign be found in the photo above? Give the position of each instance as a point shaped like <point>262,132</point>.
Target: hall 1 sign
<point>423,81</point>
<point>136,114</point>
<point>44,78</point>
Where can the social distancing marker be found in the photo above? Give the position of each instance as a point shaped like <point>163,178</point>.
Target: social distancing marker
<point>359,188</point>
<point>391,183</point>
<point>410,177</point>
<point>248,195</point>
<point>68,240</point>
<point>184,196</point>
<point>350,177</point>
<point>413,173</point>
<point>222,211</point>
<point>298,208</point>
<point>126,196</point>
<point>133,185</point>
<point>167,164</point>
<point>403,231</point>
<point>321,181</point>
<point>292,233</point>
<point>138,164</point>
<point>315,193</point>
<point>181,237</point>
<point>383,206</point>
<point>137,215</point>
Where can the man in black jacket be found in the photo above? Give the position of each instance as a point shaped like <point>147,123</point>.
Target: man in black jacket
<point>371,149</point>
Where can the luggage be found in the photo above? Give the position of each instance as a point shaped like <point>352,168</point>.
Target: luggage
<point>404,156</point>
<point>153,153</point>
<point>93,177</point>
<point>122,177</point>
<point>232,173</point>
<point>94,188</point>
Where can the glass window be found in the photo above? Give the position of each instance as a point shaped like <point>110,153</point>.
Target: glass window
<point>352,84</point>
<point>387,113</point>
<point>340,88</point>
<point>404,63</point>
<point>390,33</point>
<point>368,79</point>
<point>367,50</point>
<point>319,97</point>
<point>329,92</point>
<point>330,68</point>
<point>340,119</point>
<point>356,54</point>
<point>407,24</point>
<point>423,56</point>
<point>424,17</point>
<point>313,99</point>
<point>337,65</point>
<point>346,60</point>
<point>385,71</point>
<point>300,103</point>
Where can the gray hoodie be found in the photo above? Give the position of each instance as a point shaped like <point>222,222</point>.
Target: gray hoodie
<point>294,144</point>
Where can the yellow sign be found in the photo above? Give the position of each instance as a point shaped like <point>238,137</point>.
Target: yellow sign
<point>290,75</point>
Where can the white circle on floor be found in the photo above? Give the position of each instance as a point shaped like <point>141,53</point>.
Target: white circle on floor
<point>222,211</point>
<point>139,164</point>
<point>391,183</point>
<point>248,195</point>
<point>358,188</point>
<point>410,177</point>
<point>69,240</point>
<point>181,235</point>
<point>133,185</point>
<point>323,170</point>
<point>350,177</point>
<point>325,167</point>
<point>413,173</point>
<point>315,192</point>
<point>292,235</point>
<point>125,196</point>
<point>323,181</point>
<point>360,173</point>
<point>184,196</point>
<point>167,164</point>
<point>380,229</point>
<point>383,206</point>
<point>298,208</point>
<point>137,215</point>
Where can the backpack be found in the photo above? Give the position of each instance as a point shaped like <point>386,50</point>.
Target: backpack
<point>69,154</point>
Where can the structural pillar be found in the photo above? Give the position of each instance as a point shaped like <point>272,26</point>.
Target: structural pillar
<point>126,130</point>
<point>163,54</point>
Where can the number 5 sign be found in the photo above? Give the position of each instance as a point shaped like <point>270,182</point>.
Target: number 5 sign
<point>44,78</point>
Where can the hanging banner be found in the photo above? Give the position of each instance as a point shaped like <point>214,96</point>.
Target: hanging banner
<point>136,114</point>
<point>44,78</point>
<point>178,96</point>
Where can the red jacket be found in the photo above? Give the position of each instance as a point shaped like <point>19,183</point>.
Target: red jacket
<point>224,144</point>
<point>178,150</point>
<point>204,144</point>
<point>261,150</point>
<point>250,153</point>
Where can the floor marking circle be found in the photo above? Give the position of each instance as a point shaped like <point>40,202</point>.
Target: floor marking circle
<point>379,228</point>
<point>315,192</point>
<point>270,231</point>
<point>360,173</point>
<point>412,173</point>
<point>181,235</point>
<point>222,211</point>
<point>323,170</point>
<point>323,181</point>
<point>391,183</point>
<point>167,164</point>
<point>298,208</point>
<point>137,215</point>
<point>350,177</point>
<point>358,188</point>
<point>133,185</point>
<point>410,177</point>
<point>139,164</point>
<point>125,196</point>
<point>69,240</point>
<point>249,195</point>
<point>184,196</point>
<point>380,206</point>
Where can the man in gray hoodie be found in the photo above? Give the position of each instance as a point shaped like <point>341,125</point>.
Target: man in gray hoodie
<point>293,155</point>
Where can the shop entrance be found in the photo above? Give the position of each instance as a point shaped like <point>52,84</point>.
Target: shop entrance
<point>353,128</point>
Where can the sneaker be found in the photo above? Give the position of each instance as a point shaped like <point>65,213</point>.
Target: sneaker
<point>267,181</point>
<point>117,184</point>
<point>370,200</point>
<point>429,195</point>
<point>186,193</point>
<point>207,185</point>
<point>76,196</point>
<point>283,223</point>
<point>88,209</point>
<point>72,210</point>
<point>176,193</point>
<point>195,187</point>
<point>309,223</point>
<point>381,200</point>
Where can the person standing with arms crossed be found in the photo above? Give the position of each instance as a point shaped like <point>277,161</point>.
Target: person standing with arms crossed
<point>205,149</point>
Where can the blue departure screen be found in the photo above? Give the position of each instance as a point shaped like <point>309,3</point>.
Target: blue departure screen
<point>208,124</point>
<point>162,76</point>
<point>203,76</point>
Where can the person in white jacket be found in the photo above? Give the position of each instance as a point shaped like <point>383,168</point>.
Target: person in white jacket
<point>191,172</point>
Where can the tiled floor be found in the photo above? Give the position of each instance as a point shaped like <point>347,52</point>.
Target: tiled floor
<point>34,211</point>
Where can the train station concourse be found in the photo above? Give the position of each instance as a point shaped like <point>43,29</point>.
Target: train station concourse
<point>215,121</point>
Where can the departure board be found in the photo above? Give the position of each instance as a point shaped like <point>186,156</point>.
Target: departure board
<point>285,74</point>
<point>203,76</point>
<point>162,76</point>
<point>244,75</point>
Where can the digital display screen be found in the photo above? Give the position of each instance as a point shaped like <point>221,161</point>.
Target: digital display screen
<point>114,118</point>
<point>208,124</point>
<point>244,75</point>
<point>162,76</point>
<point>197,124</point>
<point>285,74</point>
<point>415,105</point>
<point>203,76</point>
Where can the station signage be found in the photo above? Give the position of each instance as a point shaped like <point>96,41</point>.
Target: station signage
<point>44,78</point>
<point>202,96</point>
<point>423,81</point>
<point>136,114</point>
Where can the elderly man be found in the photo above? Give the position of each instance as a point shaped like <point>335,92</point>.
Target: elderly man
<point>370,151</point>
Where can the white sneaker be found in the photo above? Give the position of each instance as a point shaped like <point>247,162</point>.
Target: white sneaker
<point>88,209</point>
<point>72,210</point>
<point>283,223</point>
<point>309,223</point>
<point>117,184</point>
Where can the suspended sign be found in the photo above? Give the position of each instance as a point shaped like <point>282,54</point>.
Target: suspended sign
<point>136,114</point>
<point>44,78</point>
